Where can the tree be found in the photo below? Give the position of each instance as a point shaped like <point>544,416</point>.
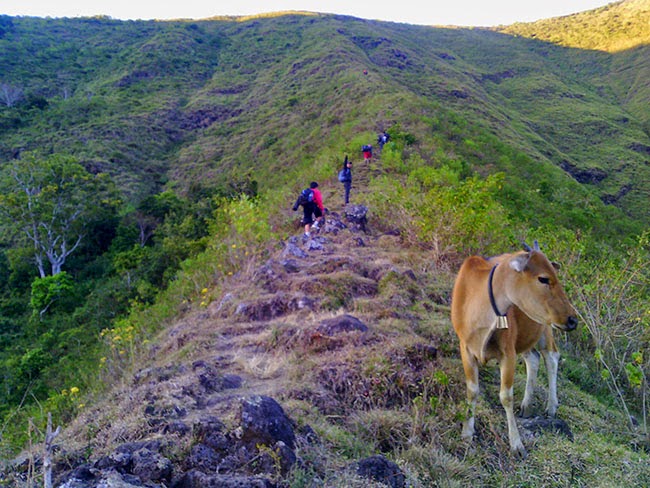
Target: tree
<point>46,204</point>
<point>10,94</point>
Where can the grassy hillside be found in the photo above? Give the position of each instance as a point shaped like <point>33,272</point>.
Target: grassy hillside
<point>616,27</point>
<point>220,100</point>
<point>620,29</point>
<point>388,381</point>
<point>209,128</point>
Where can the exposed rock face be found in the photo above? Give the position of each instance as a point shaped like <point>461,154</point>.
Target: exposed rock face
<point>590,176</point>
<point>357,217</point>
<point>261,448</point>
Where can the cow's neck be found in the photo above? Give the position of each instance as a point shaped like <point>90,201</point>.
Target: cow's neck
<point>498,297</point>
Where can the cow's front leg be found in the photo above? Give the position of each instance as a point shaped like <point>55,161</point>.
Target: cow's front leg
<point>507,400</point>
<point>552,359</point>
<point>532,366</point>
<point>471,380</point>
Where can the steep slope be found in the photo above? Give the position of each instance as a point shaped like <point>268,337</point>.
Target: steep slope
<point>620,28</point>
<point>350,334</point>
<point>271,103</point>
<point>229,100</point>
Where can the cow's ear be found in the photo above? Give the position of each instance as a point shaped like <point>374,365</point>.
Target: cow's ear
<point>519,263</point>
<point>556,265</point>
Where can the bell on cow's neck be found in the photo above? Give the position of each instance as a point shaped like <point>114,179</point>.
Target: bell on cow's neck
<point>502,322</point>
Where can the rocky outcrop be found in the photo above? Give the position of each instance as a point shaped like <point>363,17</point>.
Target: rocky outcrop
<point>357,217</point>
<point>204,425</point>
<point>378,468</point>
<point>259,449</point>
<point>202,414</point>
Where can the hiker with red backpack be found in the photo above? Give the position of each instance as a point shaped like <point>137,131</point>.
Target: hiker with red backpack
<point>367,152</point>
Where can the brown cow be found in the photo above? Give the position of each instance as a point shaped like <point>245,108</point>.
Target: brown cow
<point>548,349</point>
<point>484,293</point>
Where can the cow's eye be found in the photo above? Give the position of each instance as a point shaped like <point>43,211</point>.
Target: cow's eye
<point>543,280</point>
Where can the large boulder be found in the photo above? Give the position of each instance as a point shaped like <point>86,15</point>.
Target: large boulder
<point>382,470</point>
<point>357,217</point>
<point>342,323</point>
<point>263,422</point>
<point>267,433</point>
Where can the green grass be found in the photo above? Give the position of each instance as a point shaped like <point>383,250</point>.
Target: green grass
<point>481,122</point>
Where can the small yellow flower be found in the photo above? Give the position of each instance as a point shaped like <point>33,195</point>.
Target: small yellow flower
<point>81,405</point>
<point>204,291</point>
<point>74,390</point>
<point>102,360</point>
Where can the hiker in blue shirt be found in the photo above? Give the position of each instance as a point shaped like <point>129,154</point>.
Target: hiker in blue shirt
<point>345,177</point>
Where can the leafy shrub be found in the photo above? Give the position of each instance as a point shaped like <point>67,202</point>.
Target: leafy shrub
<point>47,290</point>
<point>439,210</point>
<point>612,295</point>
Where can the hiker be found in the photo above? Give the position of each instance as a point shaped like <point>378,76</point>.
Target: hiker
<point>345,177</point>
<point>319,209</point>
<point>309,199</point>
<point>382,139</point>
<point>367,152</point>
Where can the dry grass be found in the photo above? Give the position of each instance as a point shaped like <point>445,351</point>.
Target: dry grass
<point>396,389</point>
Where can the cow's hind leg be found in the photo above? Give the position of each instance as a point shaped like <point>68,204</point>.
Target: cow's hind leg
<point>532,367</point>
<point>507,400</point>
<point>471,380</point>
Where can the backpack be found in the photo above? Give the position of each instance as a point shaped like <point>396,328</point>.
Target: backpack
<point>306,196</point>
<point>366,148</point>
<point>342,177</point>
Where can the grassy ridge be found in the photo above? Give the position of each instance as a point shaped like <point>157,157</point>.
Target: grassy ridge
<point>179,100</point>
<point>503,136</point>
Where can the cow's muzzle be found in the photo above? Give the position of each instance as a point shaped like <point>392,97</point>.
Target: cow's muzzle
<point>570,324</point>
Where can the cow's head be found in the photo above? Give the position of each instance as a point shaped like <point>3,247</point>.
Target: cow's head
<point>536,289</point>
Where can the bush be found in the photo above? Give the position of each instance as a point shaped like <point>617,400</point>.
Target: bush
<point>612,295</point>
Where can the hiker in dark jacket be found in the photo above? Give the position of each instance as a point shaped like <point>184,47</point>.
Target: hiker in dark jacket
<point>382,139</point>
<point>345,177</point>
<point>312,208</point>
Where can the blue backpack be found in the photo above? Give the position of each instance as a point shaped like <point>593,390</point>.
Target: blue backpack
<point>306,196</point>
